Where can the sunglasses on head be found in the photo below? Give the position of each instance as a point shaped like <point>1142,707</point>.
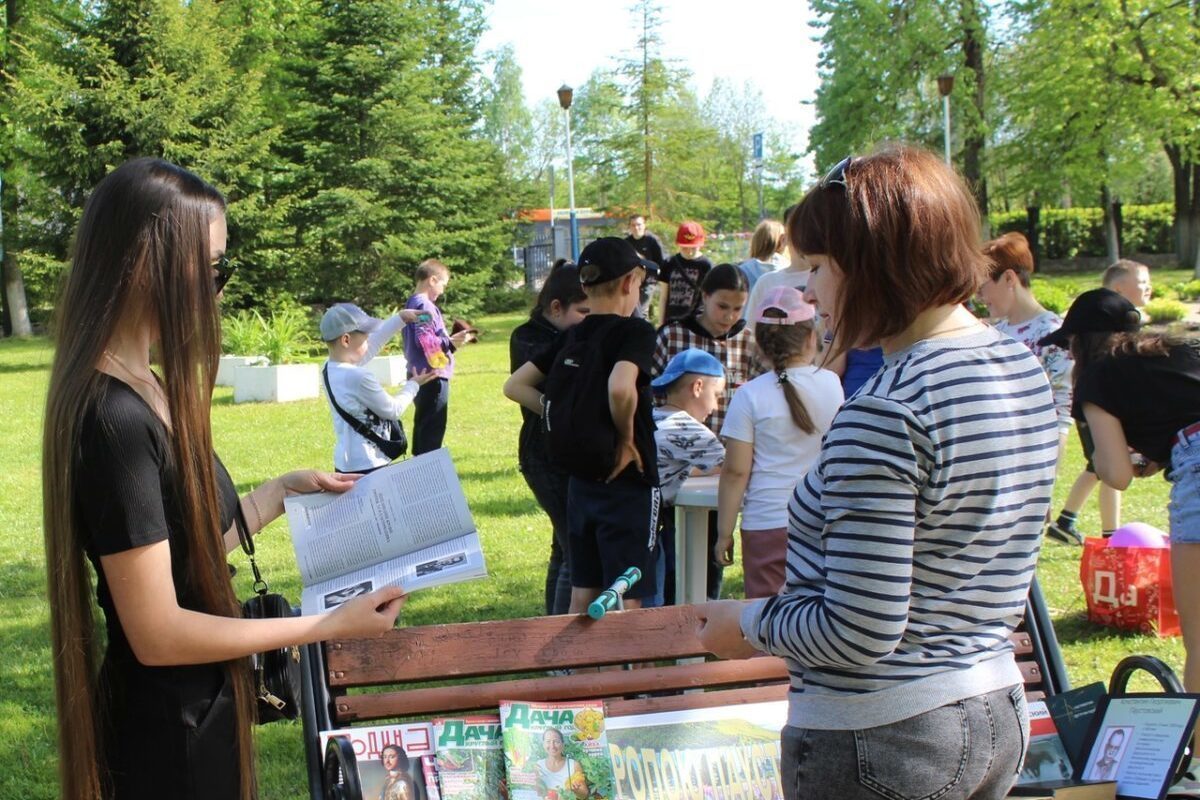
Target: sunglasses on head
<point>225,269</point>
<point>837,175</point>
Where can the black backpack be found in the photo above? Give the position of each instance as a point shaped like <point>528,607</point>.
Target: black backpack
<point>581,438</point>
<point>386,434</point>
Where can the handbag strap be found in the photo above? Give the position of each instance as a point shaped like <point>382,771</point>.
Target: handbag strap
<point>239,521</point>
<point>356,424</point>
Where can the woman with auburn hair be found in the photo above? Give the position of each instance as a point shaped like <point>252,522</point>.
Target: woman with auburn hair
<point>1016,312</point>
<point>913,539</point>
<point>132,485</point>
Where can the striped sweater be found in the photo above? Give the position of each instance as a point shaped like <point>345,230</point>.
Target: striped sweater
<point>913,540</point>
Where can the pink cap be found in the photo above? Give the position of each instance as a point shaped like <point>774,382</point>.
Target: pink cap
<point>788,306</point>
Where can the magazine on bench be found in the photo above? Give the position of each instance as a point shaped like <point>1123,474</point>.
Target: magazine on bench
<point>406,524</point>
<point>382,771</point>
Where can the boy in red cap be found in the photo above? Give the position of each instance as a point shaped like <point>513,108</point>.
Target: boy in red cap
<point>682,274</point>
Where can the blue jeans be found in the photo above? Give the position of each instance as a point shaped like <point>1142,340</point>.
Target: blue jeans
<point>549,487</point>
<point>1183,510</point>
<point>971,749</point>
<point>430,408</point>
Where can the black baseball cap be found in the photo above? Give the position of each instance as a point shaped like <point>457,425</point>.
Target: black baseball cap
<point>1096,311</point>
<point>608,259</point>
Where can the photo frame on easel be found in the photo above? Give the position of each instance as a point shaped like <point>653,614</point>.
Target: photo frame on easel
<point>1138,740</point>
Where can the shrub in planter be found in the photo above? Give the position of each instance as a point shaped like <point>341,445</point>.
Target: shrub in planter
<point>1054,297</point>
<point>1189,291</point>
<point>1163,311</point>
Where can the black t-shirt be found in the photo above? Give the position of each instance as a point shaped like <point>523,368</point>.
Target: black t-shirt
<point>682,277</point>
<point>126,495</point>
<point>528,339</point>
<point>620,339</point>
<point>1154,397</point>
<point>648,247</point>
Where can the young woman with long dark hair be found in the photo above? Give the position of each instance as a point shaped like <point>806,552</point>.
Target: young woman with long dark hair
<point>913,539</point>
<point>560,305</point>
<point>133,489</point>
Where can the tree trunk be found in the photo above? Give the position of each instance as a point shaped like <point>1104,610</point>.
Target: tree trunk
<point>974,140</point>
<point>16,308</point>
<point>1033,232</point>
<point>1193,228</point>
<point>1181,184</point>
<point>1111,240</point>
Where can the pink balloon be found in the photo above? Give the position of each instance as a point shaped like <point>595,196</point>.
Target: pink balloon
<point>1139,534</point>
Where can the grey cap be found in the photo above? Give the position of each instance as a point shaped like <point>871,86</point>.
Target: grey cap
<point>346,318</point>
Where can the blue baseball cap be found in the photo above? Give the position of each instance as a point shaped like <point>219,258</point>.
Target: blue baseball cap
<point>691,361</point>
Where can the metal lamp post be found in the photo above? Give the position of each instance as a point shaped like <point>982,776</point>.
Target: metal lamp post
<point>565,95</point>
<point>945,86</point>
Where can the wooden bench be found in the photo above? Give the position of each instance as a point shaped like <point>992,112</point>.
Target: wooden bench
<point>436,670</point>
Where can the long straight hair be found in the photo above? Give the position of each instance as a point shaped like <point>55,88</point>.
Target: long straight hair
<point>140,256</point>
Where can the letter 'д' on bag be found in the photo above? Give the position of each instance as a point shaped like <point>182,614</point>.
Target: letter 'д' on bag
<point>581,439</point>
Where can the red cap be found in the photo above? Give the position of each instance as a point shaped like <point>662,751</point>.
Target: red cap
<point>690,235</point>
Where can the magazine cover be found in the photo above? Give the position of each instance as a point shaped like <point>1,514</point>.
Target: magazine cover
<point>470,758</point>
<point>391,759</point>
<point>728,751</point>
<point>556,751</point>
<point>1046,759</point>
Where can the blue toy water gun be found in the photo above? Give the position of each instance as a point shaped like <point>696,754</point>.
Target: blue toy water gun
<point>610,598</point>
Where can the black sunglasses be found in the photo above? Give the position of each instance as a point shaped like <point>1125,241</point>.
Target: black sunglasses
<point>225,269</point>
<point>837,175</point>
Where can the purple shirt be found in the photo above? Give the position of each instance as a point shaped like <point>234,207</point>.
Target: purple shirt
<point>430,331</point>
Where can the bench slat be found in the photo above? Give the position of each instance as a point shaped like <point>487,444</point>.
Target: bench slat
<point>471,649</point>
<point>684,702</point>
<point>440,700</point>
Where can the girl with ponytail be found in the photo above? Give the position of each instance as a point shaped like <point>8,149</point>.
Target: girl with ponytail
<point>138,510</point>
<point>772,436</point>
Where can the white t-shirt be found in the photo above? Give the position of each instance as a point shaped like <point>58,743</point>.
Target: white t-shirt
<point>683,443</point>
<point>783,453</point>
<point>1055,361</point>
<point>796,278</point>
<point>357,390</point>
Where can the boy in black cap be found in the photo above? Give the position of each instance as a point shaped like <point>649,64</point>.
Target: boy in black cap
<point>613,498</point>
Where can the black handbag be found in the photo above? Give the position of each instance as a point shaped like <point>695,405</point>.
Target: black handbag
<point>393,445</point>
<point>276,673</point>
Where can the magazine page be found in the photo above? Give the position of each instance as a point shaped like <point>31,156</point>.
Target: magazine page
<point>390,759</point>
<point>393,511</point>
<point>1046,758</point>
<point>470,758</point>
<point>556,751</point>
<point>727,751</point>
<point>453,561</point>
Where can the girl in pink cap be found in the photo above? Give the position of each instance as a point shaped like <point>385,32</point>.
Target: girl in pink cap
<point>772,434</point>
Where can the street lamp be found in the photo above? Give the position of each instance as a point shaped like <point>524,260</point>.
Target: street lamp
<point>565,95</point>
<point>945,86</point>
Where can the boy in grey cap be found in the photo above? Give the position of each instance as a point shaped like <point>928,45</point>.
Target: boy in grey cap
<point>354,338</point>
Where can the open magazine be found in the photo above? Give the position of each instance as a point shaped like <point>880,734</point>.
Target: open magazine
<point>405,524</point>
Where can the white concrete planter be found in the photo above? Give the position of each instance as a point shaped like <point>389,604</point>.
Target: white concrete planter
<point>230,363</point>
<point>390,370</point>
<point>276,384</point>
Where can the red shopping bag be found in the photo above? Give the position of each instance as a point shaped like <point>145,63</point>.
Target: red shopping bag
<point>1129,587</point>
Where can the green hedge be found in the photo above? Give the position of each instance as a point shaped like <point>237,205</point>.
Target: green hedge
<point>1072,232</point>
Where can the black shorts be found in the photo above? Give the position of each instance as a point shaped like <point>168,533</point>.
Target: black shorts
<point>613,526</point>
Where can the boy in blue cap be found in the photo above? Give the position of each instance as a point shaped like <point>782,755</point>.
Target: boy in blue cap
<point>693,381</point>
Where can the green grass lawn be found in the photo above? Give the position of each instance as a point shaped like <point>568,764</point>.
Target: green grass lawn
<point>258,442</point>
